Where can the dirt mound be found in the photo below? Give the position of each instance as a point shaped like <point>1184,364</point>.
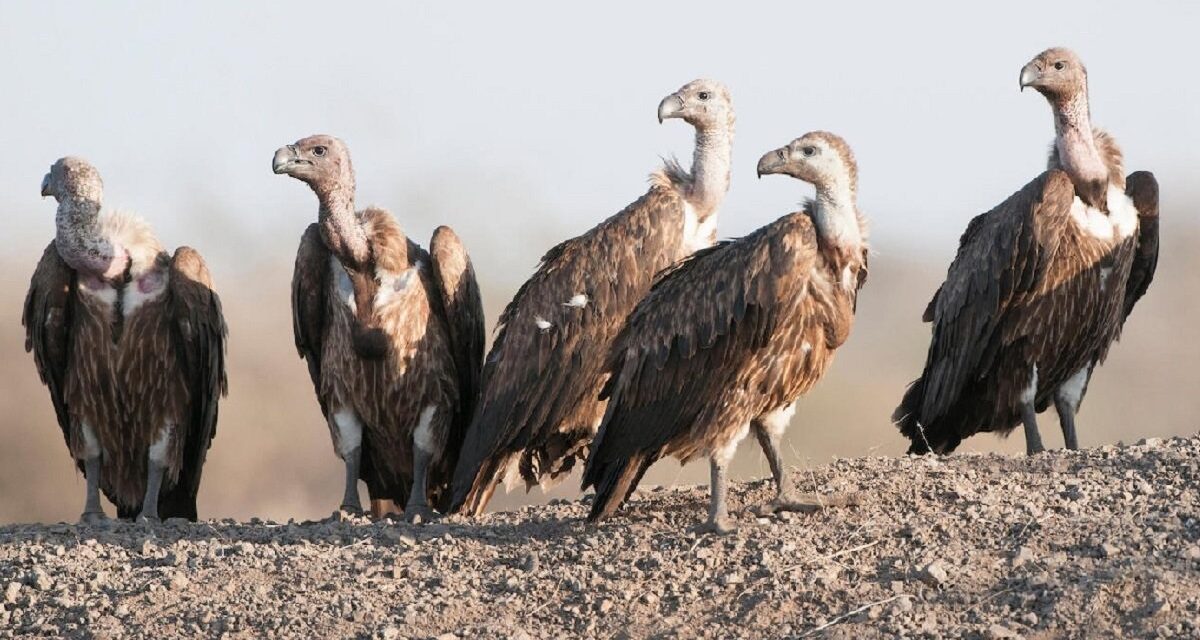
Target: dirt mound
<point>1101,543</point>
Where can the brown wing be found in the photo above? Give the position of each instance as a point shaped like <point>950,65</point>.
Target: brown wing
<point>310,285</point>
<point>1002,256</point>
<point>1142,188</point>
<point>548,355</point>
<point>198,332</point>
<point>463,307</point>
<point>47,321</point>
<point>680,352</point>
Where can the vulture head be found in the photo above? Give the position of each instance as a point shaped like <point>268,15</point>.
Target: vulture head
<point>1056,73</point>
<point>320,161</point>
<point>72,177</point>
<point>818,157</point>
<point>704,104</point>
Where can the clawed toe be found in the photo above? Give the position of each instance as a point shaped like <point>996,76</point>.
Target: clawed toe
<point>779,505</point>
<point>719,526</point>
<point>419,515</point>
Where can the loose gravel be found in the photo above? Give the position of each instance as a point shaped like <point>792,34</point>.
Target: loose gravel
<point>1099,543</point>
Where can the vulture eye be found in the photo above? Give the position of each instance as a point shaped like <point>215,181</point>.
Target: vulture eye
<point>704,95</point>
<point>1059,65</point>
<point>808,151</point>
<point>318,151</point>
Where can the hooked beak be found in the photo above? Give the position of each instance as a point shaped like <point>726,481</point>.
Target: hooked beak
<point>46,185</point>
<point>670,107</point>
<point>773,162</point>
<point>1030,74</point>
<point>285,159</point>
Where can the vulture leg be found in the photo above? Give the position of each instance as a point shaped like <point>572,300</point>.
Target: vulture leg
<point>718,511</point>
<point>1066,403</point>
<point>785,495</point>
<point>154,477</point>
<point>417,510</point>
<point>93,513</point>
<point>350,501</point>
<point>1033,440</point>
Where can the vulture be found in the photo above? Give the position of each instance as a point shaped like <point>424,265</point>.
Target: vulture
<point>539,404</point>
<point>727,340</point>
<point>393,337</point>
<point>130,342</point>
<point>1041,285</point>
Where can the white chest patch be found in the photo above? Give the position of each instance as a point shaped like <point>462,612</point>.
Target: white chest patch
<point>543,324</point>
<point>697,235</point>
<point>144,289</point>
<point>99,290</point>
<point>392,284</point>
<point>1120,223</point>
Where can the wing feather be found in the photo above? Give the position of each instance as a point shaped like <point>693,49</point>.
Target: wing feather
<point>47,319</point>
<point>1142,187</point>
<point>310,285</point>
<point>198,332</point>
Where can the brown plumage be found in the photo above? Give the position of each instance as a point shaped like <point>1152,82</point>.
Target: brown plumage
<point>1040,287</point>
<point>393,337</point>
<point>730,338</point>
<point>539,405</point>
<point>130,342</point>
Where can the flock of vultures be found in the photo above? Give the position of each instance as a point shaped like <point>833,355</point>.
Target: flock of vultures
<point>642,338</point>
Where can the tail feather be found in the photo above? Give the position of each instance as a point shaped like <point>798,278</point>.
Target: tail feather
<point>614,482</point>
<point>907,417</point>
<point>472,492</point>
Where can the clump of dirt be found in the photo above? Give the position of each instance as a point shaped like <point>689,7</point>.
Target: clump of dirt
<point>1099,543</point>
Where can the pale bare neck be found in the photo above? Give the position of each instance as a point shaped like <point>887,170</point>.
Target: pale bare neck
<point>835,214</point>
<point>1075,141</point>
<point>340,228</point>
<point>710,169</point>
<point>80,242</point>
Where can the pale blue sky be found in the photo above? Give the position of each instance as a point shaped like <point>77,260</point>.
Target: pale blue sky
<point>520,126</point>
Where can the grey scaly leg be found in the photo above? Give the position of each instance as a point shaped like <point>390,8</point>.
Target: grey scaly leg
<point>350,500</point>
<point>718,511</point>
<point>93,513</point>
<point>1066,418</point>
<point>154,477</point>
<point>1067,398</point>
<point>417,510</point>
<point>785,496</point>
<point>1033,440</point>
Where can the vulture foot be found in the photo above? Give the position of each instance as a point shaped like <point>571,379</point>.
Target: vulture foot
<point>719,526</point>
<point>786,503</point>
<point>148,519</point>
<point>93,518</point>
<point>420,514</point>
<point>806,503</point>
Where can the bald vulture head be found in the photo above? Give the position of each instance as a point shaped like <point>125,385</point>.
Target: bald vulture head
<point>321,161</point>
<point>704,104</point>
<point>1056,73</point>
<point>72,177</point>
<point>818,157</point>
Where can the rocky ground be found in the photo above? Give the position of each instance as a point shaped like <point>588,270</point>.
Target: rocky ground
<point>1101,543</point>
